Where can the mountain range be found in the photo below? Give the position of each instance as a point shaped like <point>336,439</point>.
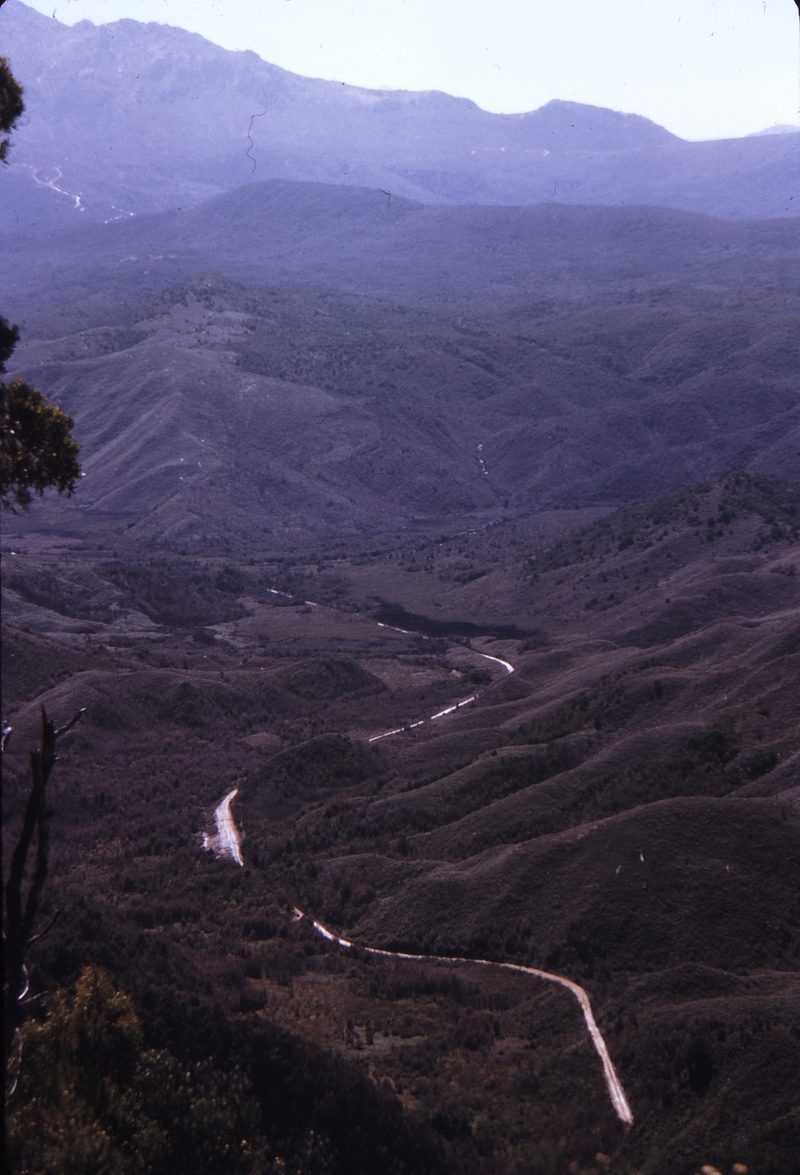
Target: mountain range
<point>127,118</point>
<point>377,360</point>
<point>440,523</point>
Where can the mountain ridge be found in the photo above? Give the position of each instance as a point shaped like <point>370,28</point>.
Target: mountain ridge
<point>450,536</point>
<point>147,131</point>
<point>227,424</point>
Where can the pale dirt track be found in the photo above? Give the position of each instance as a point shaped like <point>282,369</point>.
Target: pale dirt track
<point>613,1083</point>
<point>227,843</point>
<point>509,668</point>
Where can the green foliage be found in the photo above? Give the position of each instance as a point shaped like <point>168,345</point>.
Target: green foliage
<point>37,449</point>
<point>92,1099</point>
<point>99,1094</point>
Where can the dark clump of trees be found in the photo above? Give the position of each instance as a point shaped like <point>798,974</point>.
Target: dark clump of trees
<point>93,1097</point>
<point>174,593</point>
<point>37,448</point>
<point>183,1089</point>
<point>11,105</point>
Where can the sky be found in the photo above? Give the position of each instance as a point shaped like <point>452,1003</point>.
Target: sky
<point>705,69</point>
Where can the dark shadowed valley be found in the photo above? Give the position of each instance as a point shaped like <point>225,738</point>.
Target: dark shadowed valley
<point>432,581</point>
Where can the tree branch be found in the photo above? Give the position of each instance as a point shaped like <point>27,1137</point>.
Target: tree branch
<point>20,918</point>
<point>62,730</point>
<point>48,927</point>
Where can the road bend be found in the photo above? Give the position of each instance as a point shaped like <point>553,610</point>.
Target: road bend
<point>613,1083</point>
<point>509,668</point>
<point>227,841</point>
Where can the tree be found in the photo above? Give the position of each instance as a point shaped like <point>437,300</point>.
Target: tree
<point>37,449</point>
<point>94,1099</point>
<point>11,104</point>
<point>21,913</point>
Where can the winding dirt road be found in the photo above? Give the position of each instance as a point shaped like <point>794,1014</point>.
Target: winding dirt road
<point>613,1083</point>
<point>509,668</point>
<point>227,843</point>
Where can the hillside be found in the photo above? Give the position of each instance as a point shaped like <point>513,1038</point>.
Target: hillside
<point>433,576</point>
<point>258,415</point>
<point>622,808</point>
<point>358,240</point>
<point>160,118</point>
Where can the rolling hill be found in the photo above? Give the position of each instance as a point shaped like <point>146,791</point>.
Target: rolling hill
<point>451,534</point>
<point>214,410</point>
<point>622,808</point>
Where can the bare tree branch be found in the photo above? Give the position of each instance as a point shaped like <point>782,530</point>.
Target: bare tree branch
<point>21,914</point>
<point>48,927</point>
<point>62,730</point>
<point>14,1065</point>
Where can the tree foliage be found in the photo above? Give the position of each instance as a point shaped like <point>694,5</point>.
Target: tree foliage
<point>9,337</point>
<point>11,104</point>
<point>37,448</point>
<point>93,1098</point>
<point>97,1097</point>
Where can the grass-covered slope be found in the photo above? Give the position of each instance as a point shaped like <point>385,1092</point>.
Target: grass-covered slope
<point>621,809</point>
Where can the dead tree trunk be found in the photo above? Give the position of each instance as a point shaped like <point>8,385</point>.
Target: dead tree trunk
<point>21,911</point>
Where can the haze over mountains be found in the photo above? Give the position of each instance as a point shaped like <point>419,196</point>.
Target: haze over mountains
<point>424,330</point>
<point>595,354</point>
<point>132,118</point>
<point>203,418</point>
<point>364,428</point>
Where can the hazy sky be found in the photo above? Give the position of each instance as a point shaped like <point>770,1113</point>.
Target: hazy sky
<point>702,68</point>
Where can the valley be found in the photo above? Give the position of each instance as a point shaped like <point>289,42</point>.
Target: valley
<point>288,413</point>
<point>620,809</point>
<point>430,601</point>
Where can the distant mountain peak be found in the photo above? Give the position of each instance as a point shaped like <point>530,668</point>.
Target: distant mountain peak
<point>780,128</point>
<point>579,126</point>
<point>130,117</point>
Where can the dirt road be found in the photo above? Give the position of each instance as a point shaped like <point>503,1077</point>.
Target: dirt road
<point>226,842</point>
<point>613,1083</point>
